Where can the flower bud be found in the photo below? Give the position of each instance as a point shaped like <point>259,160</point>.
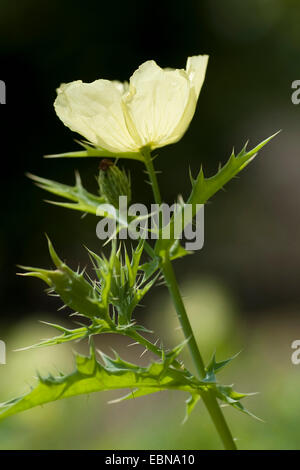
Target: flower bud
<point>113,183</point>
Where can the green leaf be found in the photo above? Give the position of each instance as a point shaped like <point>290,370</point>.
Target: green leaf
<point>191,402</point>
<point>169,357</point>
<point>134,264</point>
<point>205,188</point>
<point>214,367</point>
<point>128,285</point>
<point>150,267</point>
<point>98,326</point>
<point>93,151</point>
<point>75,291</point>
<point>82,200</point>
<point>178,251</point>
<point>76,334</point>
<point>168,363</point>
<point>91,376</point>
<point>86,202</point>
<point>233,398</point>
<point>115,373</point>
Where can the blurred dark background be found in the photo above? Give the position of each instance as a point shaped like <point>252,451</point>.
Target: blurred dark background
<point>251,229</point>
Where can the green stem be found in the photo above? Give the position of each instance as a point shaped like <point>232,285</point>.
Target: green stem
<point>152,175</point>
<point>182,316</point>
<point>209,398</point>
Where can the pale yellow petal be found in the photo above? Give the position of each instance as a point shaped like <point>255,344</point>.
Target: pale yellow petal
<point>155,103</point>
<point>196,70</point>
<point>121,86</point>
<point>94,110</point>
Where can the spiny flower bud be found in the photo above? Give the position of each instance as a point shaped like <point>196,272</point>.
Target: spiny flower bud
<point>113,183</point>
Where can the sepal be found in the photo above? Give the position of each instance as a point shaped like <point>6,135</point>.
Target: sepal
<point>92,151</point>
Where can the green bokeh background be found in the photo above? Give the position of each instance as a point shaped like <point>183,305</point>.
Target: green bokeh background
<point>242,289</point>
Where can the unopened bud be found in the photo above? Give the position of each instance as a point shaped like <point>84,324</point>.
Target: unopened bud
<point>113,183</point>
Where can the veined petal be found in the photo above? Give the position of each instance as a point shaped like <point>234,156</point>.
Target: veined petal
<point>196,69</point>
<point>184,121</point>
<point>160,103</point>
<point>156,102</point>
<point>94,110</point>
<point>154,110</point>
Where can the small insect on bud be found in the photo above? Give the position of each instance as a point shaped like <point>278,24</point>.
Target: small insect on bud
<point>113,182</point>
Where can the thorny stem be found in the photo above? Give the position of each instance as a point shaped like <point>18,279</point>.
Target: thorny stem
<point>209,398</point>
